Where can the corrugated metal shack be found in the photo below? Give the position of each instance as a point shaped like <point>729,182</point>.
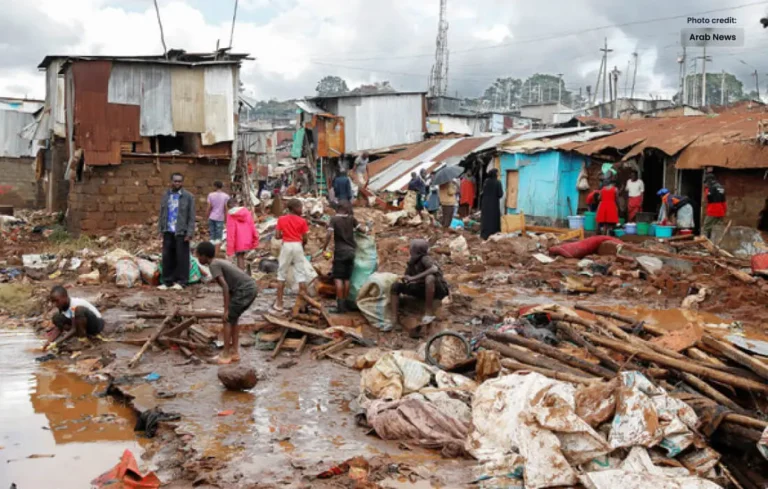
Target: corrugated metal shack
<point>673,152</point>
<point>137,110</point>
<point>19,186</point>
<point>379,119</point>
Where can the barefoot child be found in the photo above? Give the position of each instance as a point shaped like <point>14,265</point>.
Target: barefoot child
<point>342,229</point>
<point>239,293</point>
<point>293,230</point>
<point>75,317</point>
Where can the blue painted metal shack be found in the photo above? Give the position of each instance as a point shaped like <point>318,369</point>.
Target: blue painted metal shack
<point>541,184</point>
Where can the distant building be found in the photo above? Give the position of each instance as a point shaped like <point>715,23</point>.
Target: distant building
<point>19,184</point>
<point>116,127</point>
<point>544,111</point>
<point>617,107</point>
<point>378,120</point>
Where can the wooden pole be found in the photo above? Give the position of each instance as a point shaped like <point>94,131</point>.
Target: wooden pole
<point>683,365</point>
<point>552,374</point>
<point>528,357</point>
<point>552,352</point>
<point>574,336</point>
<point>711,392</point>
<point>297,327</point>
<point>166,323</point>
<point>736,355</point>
<point>185,314</point>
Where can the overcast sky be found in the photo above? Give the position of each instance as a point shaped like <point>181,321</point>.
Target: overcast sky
<point>296,42</point>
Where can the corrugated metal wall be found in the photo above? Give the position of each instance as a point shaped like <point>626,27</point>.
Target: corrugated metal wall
<point>149,87</point>
<point>188,91</point>
<point>219,103</point>
<point>380,121</point>
<point>12,145</point>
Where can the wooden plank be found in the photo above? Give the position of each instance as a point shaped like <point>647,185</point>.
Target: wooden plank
<point>316,304</point>
<point>513,181</point>
<point>297,327</point>
<point>552,374</point>
<point>335,347</point>
<point>166,324</point>
<point>279,345</point>
<point>737,356</point>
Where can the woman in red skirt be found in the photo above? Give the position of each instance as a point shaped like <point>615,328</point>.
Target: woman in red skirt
<point>608,210</point>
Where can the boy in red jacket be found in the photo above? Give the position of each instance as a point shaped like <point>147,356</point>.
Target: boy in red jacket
<point>293,230</point>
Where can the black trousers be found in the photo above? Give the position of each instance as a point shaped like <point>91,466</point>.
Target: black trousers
<point>175,259</point>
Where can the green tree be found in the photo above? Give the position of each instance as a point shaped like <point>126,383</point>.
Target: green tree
<point>331,85</point>
<point>716,84</point>
<point>542,88</point>
<point>503,93</point>
<point>377,87</point>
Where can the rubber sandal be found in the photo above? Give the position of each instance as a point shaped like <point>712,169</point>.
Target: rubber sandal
<point>221,360</point>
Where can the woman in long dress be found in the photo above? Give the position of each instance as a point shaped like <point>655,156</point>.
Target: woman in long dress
<point>490,211</point>
<point>608,209</point>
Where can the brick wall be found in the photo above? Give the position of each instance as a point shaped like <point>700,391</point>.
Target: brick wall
<point>745,193</point>
<point>18,186</point>
<point>130,193</point>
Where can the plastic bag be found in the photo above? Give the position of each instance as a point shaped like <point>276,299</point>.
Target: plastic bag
<point>582,181</point>
<point>149,271</point>
<point>373,300</point>
<point>116,255</point>
<point>127,272</point>
<point>459,247</point>
<point>457,223</point>
<point>366,262</point>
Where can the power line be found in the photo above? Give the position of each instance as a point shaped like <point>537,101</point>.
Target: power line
<point>556,36</point>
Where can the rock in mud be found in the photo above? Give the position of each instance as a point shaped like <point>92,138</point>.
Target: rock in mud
<point>238,378</point>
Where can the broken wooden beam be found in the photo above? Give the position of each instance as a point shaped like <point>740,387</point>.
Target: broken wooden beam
<point>333,348</point>
<point>177,330</point>
<point>166,324</point>
<point>712,393</point>
<point>552,352</point>
<point>596,352</point>
<point>684,365</point>
<point>317,305</point>
<point>297,327</point>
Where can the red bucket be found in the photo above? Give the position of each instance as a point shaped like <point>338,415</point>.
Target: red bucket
<point>760,264</point>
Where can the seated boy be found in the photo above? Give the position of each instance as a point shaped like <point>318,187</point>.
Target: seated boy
<point>75,317</point>
<point>423,279</point>
<point>239,293</point>
<point>293,230</point>
<point>342,229</point>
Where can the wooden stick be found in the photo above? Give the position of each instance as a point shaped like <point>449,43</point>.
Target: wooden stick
<point>736,355</point>
<point>177,330</point>
<point>338,346</point>
<point>279,345</point>
<point>574,336</point>
<point>316,304</point>
<point>722,236</point>
<point>684,365</point>
<point>709,391</point>
<point>747,421</point>
<point>312,318</point>
<point>552,374</point>
<point>738,274</point>
<point>528,357</point>
<point>166,323</point>
<point>297,327</point>
<point>552,352</point>
<point>186,314</point>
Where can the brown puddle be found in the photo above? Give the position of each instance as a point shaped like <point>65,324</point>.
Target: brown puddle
<point>54,432</point>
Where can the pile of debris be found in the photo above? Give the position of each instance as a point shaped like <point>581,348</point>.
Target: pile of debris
<point>561,398</point>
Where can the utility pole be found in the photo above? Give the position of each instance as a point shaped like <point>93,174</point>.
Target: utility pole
<point>560,87</point>
<point>683,74</point>
<point>593,98</point>
<point>626,80</point>
<point>757,86</point>
<point>704,77</point>
<point>695,83</point>
<point>615,95</point>
<point>722,88</point>
<point>605,51</point>
<point>634,77</point>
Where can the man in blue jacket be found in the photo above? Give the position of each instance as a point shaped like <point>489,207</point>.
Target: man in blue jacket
<point>177,227</point>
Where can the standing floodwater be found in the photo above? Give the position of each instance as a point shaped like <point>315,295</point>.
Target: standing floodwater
<point>54,432</point>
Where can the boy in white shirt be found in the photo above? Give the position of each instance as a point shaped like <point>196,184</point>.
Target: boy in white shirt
<point>75,317</point>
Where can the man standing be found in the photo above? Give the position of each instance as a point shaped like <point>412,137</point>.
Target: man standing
<point>635,190</point>
<point>177,226</point>
<point>361,170</point>
<point>217,209</point>
<point>342,187</point>
<point>447,193</point>
<point>716,205</point>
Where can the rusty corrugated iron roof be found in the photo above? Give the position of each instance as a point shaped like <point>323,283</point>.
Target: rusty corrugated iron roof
<point>413,151</point>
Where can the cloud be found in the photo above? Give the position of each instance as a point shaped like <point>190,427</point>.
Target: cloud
<point>297,42</point>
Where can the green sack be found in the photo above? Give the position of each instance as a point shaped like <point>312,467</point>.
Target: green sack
<point>195,275</point>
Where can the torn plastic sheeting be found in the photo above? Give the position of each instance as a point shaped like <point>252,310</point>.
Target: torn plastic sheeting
<point>394,376</point>
<point>596,403</point>
<point>416,420</point>
<point>762,445</point>
<point>612,479</point>
<point>374,299</point>
<point>646,415</point>
<point>126,475</point>
<point>534,415</point>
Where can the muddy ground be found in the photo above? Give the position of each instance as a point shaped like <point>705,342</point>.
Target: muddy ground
<point>300,418</point>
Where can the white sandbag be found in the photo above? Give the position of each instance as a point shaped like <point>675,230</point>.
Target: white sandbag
<point>116,255</point>
<point>394,376</point>
<point>150,273</point>
<point>127,273</point>
<point>374,300</point>
<point>459,247</point>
